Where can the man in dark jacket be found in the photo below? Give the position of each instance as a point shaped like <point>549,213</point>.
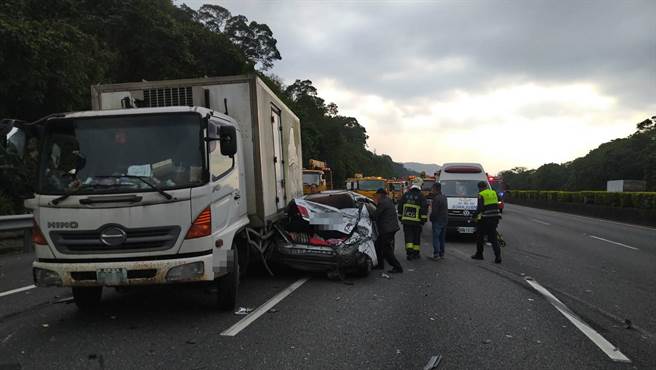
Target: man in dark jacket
<point>387,224</point>
<point>413,210</point>
<point>439,218</point>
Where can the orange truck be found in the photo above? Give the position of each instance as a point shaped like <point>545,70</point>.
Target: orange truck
<point>317,177</point>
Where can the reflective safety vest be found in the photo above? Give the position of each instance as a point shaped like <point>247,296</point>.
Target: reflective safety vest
<point>490,204</point>
<point>413,208</point>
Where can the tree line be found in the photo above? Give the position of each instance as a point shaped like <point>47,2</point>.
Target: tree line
<point>52,51</point>
<point>629,158</point>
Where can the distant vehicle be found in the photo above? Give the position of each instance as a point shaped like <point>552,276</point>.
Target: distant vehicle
<point>396,188</point>
<point>329,232</point>
<point>318,174</point>
<point>427,187</point>
<point>168,192</point>
<point>497,184</point>
<point>460,185</point>
<point>366,185</point>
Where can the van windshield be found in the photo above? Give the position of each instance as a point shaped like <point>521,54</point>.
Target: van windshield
<point>460,188</point>
<point>92,153</point>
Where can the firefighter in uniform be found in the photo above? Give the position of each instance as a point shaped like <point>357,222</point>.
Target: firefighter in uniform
<point>413,212</point>
<point>488,217</point>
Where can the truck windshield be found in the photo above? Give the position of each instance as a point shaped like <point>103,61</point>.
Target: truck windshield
<point>311,178</point>
<point>94,152</point>
<point>371,184</point>
<point>460,188</point>
<point>396,186</point>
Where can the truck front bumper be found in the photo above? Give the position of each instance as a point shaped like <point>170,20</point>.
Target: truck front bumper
<point>127,273</point>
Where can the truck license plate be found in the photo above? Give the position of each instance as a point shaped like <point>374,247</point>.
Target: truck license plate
<point>112,277</point>
<point>466,230</point>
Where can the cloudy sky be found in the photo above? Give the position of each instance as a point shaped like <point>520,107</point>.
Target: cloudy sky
<point>504,83</point>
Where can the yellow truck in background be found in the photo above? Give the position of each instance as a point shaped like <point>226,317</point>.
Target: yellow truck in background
<point>317,177</point>
<point>365,185</point>
<point>396,188</point>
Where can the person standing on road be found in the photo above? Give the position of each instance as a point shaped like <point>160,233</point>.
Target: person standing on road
<point>387,224</point>
<point>439,218</point>
<point>488,217</point>
<point>413,210</point>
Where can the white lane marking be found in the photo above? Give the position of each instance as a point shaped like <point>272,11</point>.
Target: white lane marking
<point>540,222</point>
<point>251,317</point>
<point>18,290</point>
<point>612,242</point>
<point>607,347</point>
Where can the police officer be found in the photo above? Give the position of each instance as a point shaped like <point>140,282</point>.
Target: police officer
<point>388,225</point>
<point>413,211</point>
<point>488,217</point>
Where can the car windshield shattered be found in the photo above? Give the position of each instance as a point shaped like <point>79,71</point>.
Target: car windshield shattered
<point>109,154</point>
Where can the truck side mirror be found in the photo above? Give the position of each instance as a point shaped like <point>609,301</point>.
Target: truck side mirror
<point>228,139</point>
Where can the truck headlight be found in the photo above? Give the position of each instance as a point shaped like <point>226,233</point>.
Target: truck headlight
<point>186,272</point>
<point>45,278</point>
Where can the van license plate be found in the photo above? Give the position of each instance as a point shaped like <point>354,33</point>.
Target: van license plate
<point>466,230</point>
<point>112,277</point>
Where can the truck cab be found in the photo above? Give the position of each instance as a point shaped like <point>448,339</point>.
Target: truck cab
<point>136,197</point>
<point>366,185</point>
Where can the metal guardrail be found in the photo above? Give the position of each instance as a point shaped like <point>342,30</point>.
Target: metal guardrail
<point>17,223</point>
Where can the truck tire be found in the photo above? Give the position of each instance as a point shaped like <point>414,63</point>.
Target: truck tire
<point>228,286</point>
<point>87,298</point>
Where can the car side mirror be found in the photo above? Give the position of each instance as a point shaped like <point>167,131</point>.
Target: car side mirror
<point>228,140</point>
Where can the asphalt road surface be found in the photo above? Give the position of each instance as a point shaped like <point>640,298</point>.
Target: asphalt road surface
<point>474,314</point>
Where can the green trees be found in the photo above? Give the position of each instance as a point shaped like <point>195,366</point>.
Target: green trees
<point>632,157</point>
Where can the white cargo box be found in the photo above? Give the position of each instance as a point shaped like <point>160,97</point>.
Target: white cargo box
<point>271,132</point>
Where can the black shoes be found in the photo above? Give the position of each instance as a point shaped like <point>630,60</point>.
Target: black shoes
<point>395,271</point>
<point>497,260</point>
<point>477,257</point>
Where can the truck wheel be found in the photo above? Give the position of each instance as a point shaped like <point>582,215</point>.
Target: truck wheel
<point>87,298</point>
<point>228,286</point>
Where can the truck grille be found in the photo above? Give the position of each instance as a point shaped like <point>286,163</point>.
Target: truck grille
<point>167,97</point>
<point>136,240</point>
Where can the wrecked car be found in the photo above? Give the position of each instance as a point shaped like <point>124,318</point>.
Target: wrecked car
<point>331,232</point>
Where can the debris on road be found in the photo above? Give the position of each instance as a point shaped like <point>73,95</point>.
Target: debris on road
<point>629,324</point>
<point>45,325</point>
<point>432,319</point>
<point>191,342</point>
<point>243,311</point>
<point>338,298</point>
<point>411,270</point>
<point>434,362</point>
<point>64,300</point>
<point>385,276</point>
<point>531,299</point>
<point>273,310</point>
<point>487,341</point>
<point>508,336</point>
<point>398,351</point>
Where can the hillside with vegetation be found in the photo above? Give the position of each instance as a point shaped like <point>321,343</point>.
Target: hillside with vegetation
<point>53,51</point>
<point>629,158</point>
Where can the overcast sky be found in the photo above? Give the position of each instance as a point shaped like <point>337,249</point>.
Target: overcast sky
<point>504,83</point>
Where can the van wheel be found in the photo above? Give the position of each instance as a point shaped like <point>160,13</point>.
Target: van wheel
<point>228,286</point>
<point>87,298</point>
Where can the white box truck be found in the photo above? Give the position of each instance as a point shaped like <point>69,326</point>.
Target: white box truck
<point>162,182</point>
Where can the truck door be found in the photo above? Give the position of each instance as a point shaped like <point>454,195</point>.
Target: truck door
<point>278,160</point>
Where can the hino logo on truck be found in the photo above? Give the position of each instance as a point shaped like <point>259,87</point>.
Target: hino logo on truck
<point>62,225</point>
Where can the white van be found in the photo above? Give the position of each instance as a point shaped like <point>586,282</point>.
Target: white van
<point>460,185</point>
